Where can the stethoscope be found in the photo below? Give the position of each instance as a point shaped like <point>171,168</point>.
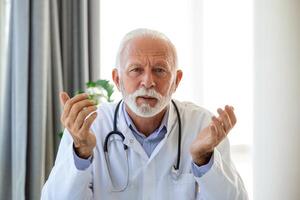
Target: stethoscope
<point>175,168</point>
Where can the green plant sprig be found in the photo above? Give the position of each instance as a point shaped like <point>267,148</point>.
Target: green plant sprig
<point>101,85</point>
<point>105,84</point>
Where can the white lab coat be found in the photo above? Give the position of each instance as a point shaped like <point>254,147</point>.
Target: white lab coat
<point>149,178</point>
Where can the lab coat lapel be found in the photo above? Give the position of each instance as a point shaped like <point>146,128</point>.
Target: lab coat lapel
<point>171,124</point>
<point>172,120</point>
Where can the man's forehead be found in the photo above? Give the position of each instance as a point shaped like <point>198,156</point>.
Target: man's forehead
<point>144,56</point>
<point>147,46</point>
<point>140,54</point>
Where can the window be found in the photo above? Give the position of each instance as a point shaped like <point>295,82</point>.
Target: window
<point>228,72</point>
<point>214,43</point>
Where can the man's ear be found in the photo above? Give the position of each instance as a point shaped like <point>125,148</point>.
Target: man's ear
<point>116,78</point>
<point>179,74</point>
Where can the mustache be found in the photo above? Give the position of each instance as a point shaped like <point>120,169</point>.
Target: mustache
<point>147,92</point>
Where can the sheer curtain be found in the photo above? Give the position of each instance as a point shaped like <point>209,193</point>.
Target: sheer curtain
<point>50,48</point>
<point>4,21</point>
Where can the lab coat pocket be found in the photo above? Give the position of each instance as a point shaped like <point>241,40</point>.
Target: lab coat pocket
<point>183,187</point>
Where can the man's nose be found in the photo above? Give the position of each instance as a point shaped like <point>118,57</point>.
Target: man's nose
<point>148,79</point>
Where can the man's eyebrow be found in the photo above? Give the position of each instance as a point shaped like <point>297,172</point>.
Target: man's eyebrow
<point>134,64</point>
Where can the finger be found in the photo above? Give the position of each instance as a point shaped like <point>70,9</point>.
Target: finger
<point>64,97</point>
<point>225,119</point>
<point>83,115</point>
<point>88,122</point>
<point>78,107</point>
<point>230,112</point>
<point>70,102</point>
<point>221,132</point>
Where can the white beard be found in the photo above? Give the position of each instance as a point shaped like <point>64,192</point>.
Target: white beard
<point>145,110</point>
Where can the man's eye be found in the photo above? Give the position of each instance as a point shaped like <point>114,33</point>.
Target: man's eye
<point>136,69</point>
<point>159,70</point>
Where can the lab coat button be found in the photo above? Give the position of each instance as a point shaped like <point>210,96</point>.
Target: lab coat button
<point>131,140</point>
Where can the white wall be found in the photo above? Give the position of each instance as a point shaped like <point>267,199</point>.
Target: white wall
<point>277,100</point>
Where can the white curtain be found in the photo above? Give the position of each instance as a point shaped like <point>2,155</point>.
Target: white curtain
<point>277,100</point>
<point>52,46</point>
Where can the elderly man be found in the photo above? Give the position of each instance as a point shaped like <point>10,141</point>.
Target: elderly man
<point>147,146</point>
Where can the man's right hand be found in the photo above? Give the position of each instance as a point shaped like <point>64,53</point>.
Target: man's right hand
<point>75,111</point>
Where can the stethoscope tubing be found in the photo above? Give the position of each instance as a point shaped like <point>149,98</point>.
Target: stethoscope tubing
<point>116,131</point>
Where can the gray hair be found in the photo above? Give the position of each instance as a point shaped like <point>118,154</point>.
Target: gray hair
<point>143,32</point>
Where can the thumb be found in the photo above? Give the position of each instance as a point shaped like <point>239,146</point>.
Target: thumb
<point>64,97</point>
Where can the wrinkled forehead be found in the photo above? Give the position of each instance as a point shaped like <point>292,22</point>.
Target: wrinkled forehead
<point>140,48</point>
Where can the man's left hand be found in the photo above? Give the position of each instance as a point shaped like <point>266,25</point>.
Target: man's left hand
<point>203,146</point>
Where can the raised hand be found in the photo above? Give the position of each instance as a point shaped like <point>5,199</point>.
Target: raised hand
<point>77,118</point>
<point>205,142</point>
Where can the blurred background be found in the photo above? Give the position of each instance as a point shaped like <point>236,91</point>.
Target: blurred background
<point>245,53</point>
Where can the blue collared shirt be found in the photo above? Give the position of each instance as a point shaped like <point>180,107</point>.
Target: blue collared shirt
<point>148,143</point>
